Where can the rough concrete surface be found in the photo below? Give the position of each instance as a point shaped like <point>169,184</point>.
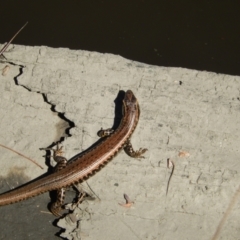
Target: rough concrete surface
<point>181,110</point>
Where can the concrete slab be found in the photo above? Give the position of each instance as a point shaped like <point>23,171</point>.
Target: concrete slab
<point>181,110</point>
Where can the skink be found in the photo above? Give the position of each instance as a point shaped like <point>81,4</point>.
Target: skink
<point>85,165</point>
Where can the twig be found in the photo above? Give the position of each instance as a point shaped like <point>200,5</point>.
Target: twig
<point>8,43</point>
<point>170,164</point>
<point>227,213</point>
<point>22,155</point>
<point>93,191</point>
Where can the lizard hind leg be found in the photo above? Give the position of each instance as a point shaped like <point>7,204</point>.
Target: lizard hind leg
<point>56,206</point>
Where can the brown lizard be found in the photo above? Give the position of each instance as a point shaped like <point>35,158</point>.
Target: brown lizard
<point>85,164</point>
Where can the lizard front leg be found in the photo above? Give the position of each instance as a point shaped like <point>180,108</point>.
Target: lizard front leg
<point>105,132</point>
<point>131,152</point>
<point>127,146</point>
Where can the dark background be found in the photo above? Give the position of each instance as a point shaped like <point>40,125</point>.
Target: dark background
<point>201,35</point>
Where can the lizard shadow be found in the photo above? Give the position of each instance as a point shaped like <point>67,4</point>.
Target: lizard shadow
<point>116,122</point>
<point>117,119</point>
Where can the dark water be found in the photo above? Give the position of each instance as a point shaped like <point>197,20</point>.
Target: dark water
<point>203,35</point>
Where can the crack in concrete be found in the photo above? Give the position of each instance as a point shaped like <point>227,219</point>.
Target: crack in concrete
<point>52,108</point>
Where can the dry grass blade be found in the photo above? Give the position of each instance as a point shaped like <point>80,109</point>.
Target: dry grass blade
<point>22,155</point>
<point>8,43</point>
<point>227,213</point>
